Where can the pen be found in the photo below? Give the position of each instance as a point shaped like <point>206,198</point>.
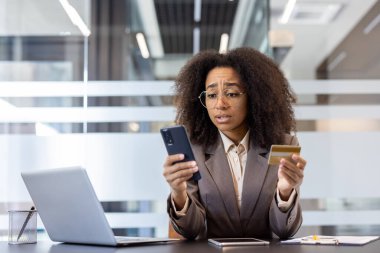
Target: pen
<point>315,239</point>
<point>26,222</point>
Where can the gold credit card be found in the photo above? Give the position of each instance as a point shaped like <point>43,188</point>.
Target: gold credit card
<point>282,151</point>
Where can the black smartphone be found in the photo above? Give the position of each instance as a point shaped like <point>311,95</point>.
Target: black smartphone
<point>176,142</point>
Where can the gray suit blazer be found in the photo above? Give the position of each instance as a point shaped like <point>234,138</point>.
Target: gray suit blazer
<point>213,209</point>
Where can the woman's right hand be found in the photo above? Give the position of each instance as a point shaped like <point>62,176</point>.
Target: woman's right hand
<point>176,174</point>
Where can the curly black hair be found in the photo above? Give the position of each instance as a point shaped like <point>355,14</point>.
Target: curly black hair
<point>270,98</point>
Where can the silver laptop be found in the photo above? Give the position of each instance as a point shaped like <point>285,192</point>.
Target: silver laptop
<point>70,210</point>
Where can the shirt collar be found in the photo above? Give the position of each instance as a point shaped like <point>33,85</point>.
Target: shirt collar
<point>227,143</point>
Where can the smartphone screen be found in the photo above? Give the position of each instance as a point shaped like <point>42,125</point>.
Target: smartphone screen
<point>176,142</point>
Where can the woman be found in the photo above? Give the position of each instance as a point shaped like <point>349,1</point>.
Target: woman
<point>234,107</point>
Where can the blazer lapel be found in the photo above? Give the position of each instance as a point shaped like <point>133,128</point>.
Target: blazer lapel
<point>255,173</point>
<point>218,167</point>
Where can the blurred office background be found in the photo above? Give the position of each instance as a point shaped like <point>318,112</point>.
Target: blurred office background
<point>89,83</point>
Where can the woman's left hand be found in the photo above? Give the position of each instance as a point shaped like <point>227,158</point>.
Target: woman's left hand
<point>290,175</point>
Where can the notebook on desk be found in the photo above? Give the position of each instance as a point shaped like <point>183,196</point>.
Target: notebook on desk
<point>331,240</point>
<point>70,210</point>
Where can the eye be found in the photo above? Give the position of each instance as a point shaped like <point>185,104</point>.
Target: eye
<point>211,95</point>
<point>232,94</point>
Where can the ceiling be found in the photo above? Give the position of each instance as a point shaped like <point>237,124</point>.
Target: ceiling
<point>176,22</point>
<point>318,26</point>
<point>175,30</point>
<point>40,17</point>
<point>358,55</point>
<point>313,42</point>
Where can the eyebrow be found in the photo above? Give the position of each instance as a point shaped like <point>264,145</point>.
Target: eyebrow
<point>228,84</point>
<point>211,85</point>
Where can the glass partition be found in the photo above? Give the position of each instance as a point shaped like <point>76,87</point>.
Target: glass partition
<point>90,83</point>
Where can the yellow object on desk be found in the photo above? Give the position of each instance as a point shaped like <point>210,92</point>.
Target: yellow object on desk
<point>331,240</point>
<point>315,239</point>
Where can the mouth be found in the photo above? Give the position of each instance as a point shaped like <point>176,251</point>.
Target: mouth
<point>222,118</point>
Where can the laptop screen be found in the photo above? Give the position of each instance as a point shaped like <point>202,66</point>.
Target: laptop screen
<point>68,206</point>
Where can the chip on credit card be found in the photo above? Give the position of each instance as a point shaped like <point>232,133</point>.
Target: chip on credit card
<point>277,152</point>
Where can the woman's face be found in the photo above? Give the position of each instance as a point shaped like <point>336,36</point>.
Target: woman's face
<point>226,102</point>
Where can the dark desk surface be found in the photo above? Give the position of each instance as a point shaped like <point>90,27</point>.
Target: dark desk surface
<point>186,247</point>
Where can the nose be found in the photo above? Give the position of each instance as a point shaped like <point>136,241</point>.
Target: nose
<point>221,102</point>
